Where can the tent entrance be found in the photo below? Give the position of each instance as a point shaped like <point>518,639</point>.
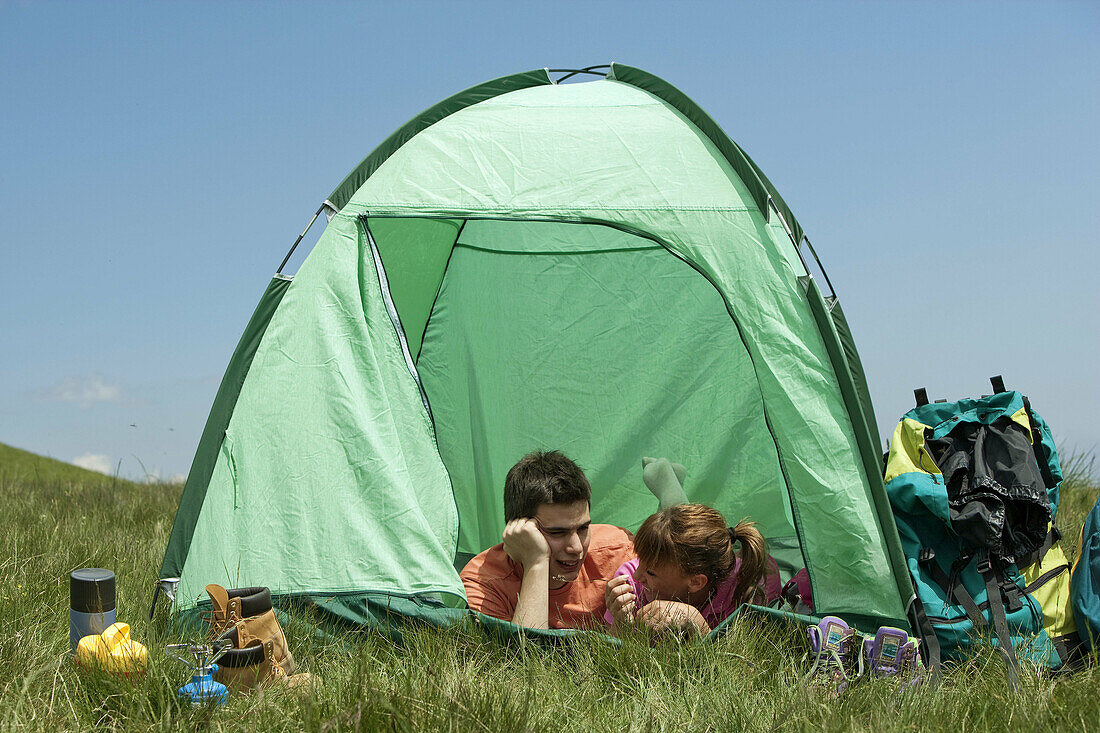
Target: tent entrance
<point>579,337</point>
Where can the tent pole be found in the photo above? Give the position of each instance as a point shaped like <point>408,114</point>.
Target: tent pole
<point>573,72</point>
<point>300,238</point>
<point>795,243</point>
<point>832,290</point>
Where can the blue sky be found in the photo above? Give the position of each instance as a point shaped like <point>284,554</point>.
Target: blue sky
<point>158,160</point>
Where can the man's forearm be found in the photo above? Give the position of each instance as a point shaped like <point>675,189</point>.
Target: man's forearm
<point>532,608</point>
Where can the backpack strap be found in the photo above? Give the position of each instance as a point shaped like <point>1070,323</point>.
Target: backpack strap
<point>922,627</point>
<point>955,590</point>
<point>1013,595</point>
<point>992,575</point>
<point>1036,445</point>
<point>1070,651</point>
<point>1026,561</point>
<point>1054,535</point>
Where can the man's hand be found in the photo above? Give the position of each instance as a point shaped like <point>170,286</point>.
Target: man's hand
<point>620,599</point>
<point>665,615</point>
<point>524,543</point>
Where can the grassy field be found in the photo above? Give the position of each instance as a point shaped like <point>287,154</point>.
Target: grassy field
<point>20,466</point>
<point>57,518</point>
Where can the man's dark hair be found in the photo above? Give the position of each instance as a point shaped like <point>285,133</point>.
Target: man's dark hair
<point>543,477</point>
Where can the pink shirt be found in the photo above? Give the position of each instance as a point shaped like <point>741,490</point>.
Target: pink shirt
<point>721,603</point>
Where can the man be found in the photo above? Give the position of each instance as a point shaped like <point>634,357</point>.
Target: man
<point>552,566</point>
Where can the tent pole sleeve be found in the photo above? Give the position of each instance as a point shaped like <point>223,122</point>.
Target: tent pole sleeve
<point>864,443</point>
<point>759,185</point>
<point>198,478</point>
<point>351,183</point>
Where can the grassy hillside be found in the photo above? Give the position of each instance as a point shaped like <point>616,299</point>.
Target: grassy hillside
<point>19,466</point>
<point>455,680</point>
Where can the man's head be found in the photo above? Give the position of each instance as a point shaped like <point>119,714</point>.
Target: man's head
<point>552,490</point>
<point>543,477</point>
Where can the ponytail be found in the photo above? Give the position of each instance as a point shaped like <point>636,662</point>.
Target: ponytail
<point>754,557</point>
<point>697,539</point>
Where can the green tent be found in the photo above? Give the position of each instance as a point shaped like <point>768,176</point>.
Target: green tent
<point>593,267</point>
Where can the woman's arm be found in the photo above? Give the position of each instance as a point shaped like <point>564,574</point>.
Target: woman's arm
<point>666,615</point>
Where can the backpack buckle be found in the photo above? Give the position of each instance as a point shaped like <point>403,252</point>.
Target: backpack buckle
<point>1013,596</point>
<point>984,566</point>
<point>926,555</point>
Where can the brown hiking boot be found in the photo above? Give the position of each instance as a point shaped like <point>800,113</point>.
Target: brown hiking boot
<point>252,663</point>
<point>250,607</point>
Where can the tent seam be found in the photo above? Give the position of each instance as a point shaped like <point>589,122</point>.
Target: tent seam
<point>363,208</point>
<point>290,595</point>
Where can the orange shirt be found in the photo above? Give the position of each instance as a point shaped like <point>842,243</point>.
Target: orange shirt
<point>492,581</point>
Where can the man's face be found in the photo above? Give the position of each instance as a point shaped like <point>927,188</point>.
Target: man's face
<point>565,527</point>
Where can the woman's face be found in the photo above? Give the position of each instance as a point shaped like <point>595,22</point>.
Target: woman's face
<point>667,582</point>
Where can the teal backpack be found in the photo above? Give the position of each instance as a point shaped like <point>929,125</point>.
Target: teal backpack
<point>974,489</point>
<point>1085,583</point>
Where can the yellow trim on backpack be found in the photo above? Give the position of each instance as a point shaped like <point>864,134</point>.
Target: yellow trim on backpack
<point>907,452</point>
<point>1054,595</point>
<point>1020,418</point>
<point>1080,549</point>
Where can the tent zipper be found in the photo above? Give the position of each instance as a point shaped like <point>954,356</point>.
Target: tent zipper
<point>395,320</point>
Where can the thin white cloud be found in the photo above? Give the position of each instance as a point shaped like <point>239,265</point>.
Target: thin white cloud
<point>94,462</point>
<point>154,477</point>
<point>84,391</point>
